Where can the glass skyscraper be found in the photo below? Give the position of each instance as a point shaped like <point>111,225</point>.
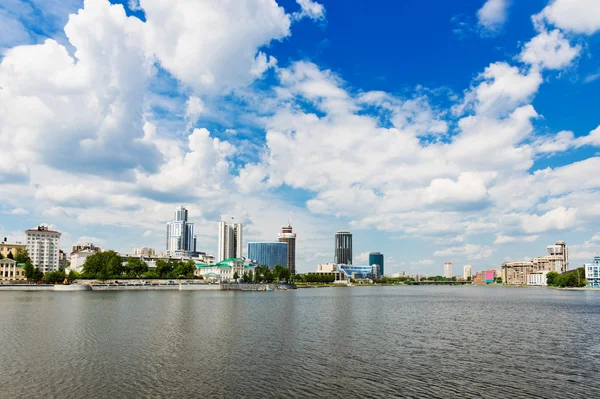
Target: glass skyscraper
<point>343,248</point>
<point>180,234</point>
<point>376,258</point>
<point>269,253</point>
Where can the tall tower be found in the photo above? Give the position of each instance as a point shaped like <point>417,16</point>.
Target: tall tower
<point>289,237</point>
<point>467,272</point>
<point>376,258</point>
<point>180,233</point>
<point>561,252</point>
<point>343,248</point>
<point>448,269</point>
<point>231,239</point>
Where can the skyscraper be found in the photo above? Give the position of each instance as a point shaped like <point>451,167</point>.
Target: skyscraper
<point>230,241</point>
<point>467,272</point>
<point>269,253</point>
<point>448,269</point>
<point>180,234</point>
<point>376,258</point>
<point>42,248</point>
<point>343,248</point>
<point>289,237</point>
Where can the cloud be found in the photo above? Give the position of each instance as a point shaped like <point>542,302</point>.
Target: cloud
<point>557,219</point>
<point>310,9</point>
<point>493,15</point>
<point>470,251</point>
<point>19,211</point>
<point>550,50</point>
<point>362,257</point>
<point>194,107</point>
<point>577,16</point>
<point>502,239</point>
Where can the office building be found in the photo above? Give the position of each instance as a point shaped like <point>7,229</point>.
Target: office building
<point>268,253</point>
<point>448,269</point>
<point>144,251</point>
<point>180,234</point>
<point>343,248</point>
<point>376,258</point>
<point>230,241</point>
<point>467,272</point>
<point>357,272</point>
<point>7,247</point>
<point>42,248</point>
<point>592,273</point>
<point>289,237</point>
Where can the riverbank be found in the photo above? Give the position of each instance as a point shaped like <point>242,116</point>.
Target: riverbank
<point>170,286</point>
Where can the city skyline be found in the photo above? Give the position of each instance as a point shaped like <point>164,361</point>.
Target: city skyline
<point>467,153</point>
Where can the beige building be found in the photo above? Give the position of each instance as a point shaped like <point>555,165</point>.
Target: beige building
<point>10,270</point>
<point>467,272</point>
<point>557,260</point>
<point>11,248</point>
<point>144,251</point>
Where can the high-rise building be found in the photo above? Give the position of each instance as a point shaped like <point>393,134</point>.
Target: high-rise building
<point>42,248</point>
<point>230,241</point>
<point>289,237</point>
<point>269,253</point>
<point>180,234</point>
<point>376,258</point>
<point>558,254</point>
<point>557,260</point>
<point>448,269</point>
<point>467,272</point>
<point>343,248</point>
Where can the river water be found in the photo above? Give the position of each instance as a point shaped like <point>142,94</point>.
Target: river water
<point>363,342</point>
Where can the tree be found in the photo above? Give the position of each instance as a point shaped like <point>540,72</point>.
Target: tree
<point>55,277</point>
<point>245,277</point>
<point>250,277</point>
<point>1,256</point>
<point>163,268</point>
<point>29,269</point>
<point>73,275</point>
<point>135,267</point>
<point>103,265</point>
<point>236,276</point>
<point>10,255</point>
<point>498,280</point>
<point>552,279</point>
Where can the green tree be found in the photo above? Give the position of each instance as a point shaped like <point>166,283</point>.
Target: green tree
<point>55,277</point>
<point>103,265</point>
<point>498,280</point>
<point>37,275</point>
<point>236,276</point>
<point>135,267</point>
<point>250,276</point>
<point>183,269</point>
<point>10,255</point>
<point>163,268</point>
<point>245,277</point>
<point>29,270</point>
<point>73,275</point>
<point>552,279</point>
<point>1,256</point>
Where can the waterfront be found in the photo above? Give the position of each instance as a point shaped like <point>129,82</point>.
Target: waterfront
<point>440,342</point>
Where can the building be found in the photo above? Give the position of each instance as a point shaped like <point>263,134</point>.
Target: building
<point>592,273</point>
<point>144,251</point>
<point>538,278</point>
<point>376,258</point>
<point>557,260</point>
<point>343,248</point>
<point>330,269</point>
<point>288,236</point>
<point>448,269</point>
<point>230,241</point>
<point>268,253</point>
<point>80,246</point>
<point>62,260</point>
<point>11,248</point>
<point>42,248</point>
<point>357,272</point>
<point>516,272</point>
<point>224,270</point>
<point>77,260</point>
<point>10,270</point>
<point>467,272</point>
<point>559,253</point>
<point>180,234</point>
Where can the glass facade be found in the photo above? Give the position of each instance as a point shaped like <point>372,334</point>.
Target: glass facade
<point>376,258</point>
<point>592,273</point>
<point>269,253</point>
<point>357,272</point>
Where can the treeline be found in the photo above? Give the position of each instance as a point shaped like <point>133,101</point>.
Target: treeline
<point>109,265</point>
<point>314,278</point>
<point>573,278</point>
<point>262,274</point>
<point>438,278</point>
<point>396,280</point>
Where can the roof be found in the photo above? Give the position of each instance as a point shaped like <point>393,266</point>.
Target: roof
<point>42,231</point>
<point>7,260</point>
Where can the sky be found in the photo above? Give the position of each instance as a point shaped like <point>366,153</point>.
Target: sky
<point>434,131</point>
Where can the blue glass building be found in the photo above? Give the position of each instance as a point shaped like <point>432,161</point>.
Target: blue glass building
<point>268,253</point>
<point>357,272</point>
<point>376,258</point>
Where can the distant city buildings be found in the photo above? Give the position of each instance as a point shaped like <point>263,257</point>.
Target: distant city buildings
<point>592,273</point>
<point>330,269</point>
<point>289,237</point>
<point>343,248</point>
<point>80,246</point>
<point>467,272</point>
<point>42,248</point>
<point>144,251</point>
<point>230,241</point>
<point>269,253</point>
<point>180,234</point>
<point>557,260</point>
<point>376,258</point>
<point>7,247</point>
<point>538,278</point>
<point>448,269</point>
<point>80,252</point>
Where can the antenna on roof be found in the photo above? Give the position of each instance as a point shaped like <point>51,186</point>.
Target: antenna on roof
<point>290,219</point>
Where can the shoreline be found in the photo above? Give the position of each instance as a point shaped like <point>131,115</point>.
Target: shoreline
<point>145,287</point>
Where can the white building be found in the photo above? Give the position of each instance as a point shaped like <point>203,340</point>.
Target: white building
<point>538,278</point>
<point>224,270</point>
<point>448,269</point>
<point>467,272</point>
<point>78,259</point>
<point>230,241</point>
<point>42,248</point>
<point>592,273</point>
<point>144,251</point>
<point>180,233</point>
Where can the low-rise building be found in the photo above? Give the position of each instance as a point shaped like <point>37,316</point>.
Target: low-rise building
<point>592,273</point>
<point>10,270</point>
<point>224,270</point>
<point>80,246</point>
<point>144,251</point>
<point>330,269</point>
<point>78,259</point>
<point>538,278</point>
<point>13,248</point>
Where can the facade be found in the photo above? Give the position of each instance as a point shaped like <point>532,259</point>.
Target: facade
<point>516,272</point>
<point>224,270</point>
<point>231,239</point>
<point>78,259</point>
<point>330,269</point>
<point>467,272</point>
<point>144,251</point>
<point>488,276</point>
<point>357,272</point>
<point>80,246</point>
<point>11,248</point>
<point>448,269</point>
<point>557,260</point>
<point>42,248</point>
<point>538,278</point>
<point>376,258</point>
<point>268,253</point>
<point>592,273</point>
<point>343,248</point>
<point>180,233</point>
<point>10,270</point>
<point>289,237</point>
<point>62,259</point>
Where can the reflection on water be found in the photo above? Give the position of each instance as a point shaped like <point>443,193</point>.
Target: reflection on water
<point>441,342</point>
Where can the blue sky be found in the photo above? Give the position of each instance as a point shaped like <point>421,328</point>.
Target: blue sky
<point>435,131</point>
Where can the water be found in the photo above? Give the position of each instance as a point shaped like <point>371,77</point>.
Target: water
<point>370,342</point>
